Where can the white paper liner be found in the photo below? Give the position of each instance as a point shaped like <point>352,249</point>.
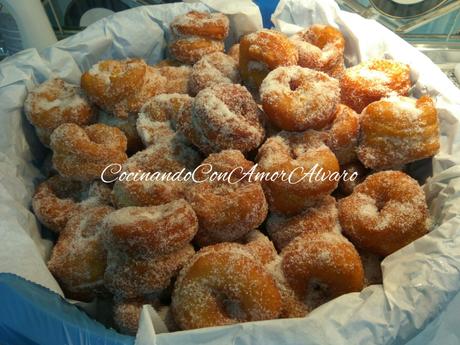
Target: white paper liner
<point>419,280</point>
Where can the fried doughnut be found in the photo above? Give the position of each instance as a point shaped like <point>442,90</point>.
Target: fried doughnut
<point>321,217</point>
<point>203,24</point>
<point>320,266</point>
<point>53,103</point>
<point>176,78</point>
<point>191,49</point>
<point>223,116</point>
<point>82,153</point>
<point>154,230</point>
<point>372,80</point>
<point>127,126</point>
<point>234,53</point>
<point>259,246</point>
<point>263,51</point>
<point>226,211</point>
<point>296,98</point>
<point>121,87</point>
<point>157,117</point>
<point>131,277</point>
<point>356,169</point>
<point>78,260</point>
<point>224,284</point>
<point>384,213</point>
<point>292,306</point>
<point>297,154</point>
<point>58,199</point>
<point>214,68</point>
<point>398,130</point>
<point>342,135</point>
<point>321,48</point>
<point>170,155</point>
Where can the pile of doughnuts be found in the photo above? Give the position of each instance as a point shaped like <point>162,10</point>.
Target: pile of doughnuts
<point>297,187</point>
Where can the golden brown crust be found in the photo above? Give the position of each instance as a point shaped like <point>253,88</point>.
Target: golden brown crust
<point>263,51</point>
<point>296,98</point>
<point>203,24</point>
<point>226,270</point>
<point>321,217</point>
<point>55,102</point>
<point>384,213</point>
<point>82,153</point>
<point>78,260</point>
<point>342,136</point>
<point>297,154</point>
<point>320,266</point>
<point>371,80</point>
<point>226,211</point>
<point>397,131</point>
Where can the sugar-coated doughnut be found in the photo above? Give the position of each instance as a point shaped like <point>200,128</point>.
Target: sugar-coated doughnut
<point>55,102</point>
<point>82,153</point>
<point>130,277</point>
<point>168,155</point>
<point>320,266</point>
<point>121,87</point>
<point>384,213</point>
<point>342,135</point>
<point>78,259</point>
<point>223,116</point>
<point>398,130</point>
<point>151,230</point>
<point>203,24</point>
<point>157,118</point>
<point>226,211</point>
<point>259,246</point>
<point>321,47</point>
<point>214,68</point>
<point>296,98</point>
<point>297,154</point>
<point>58,199</point>
<point>224,284</point>
<point>127,126</point>
<point>321,217</point>
<point>263,51</point>
<point>371,80</point>
<point>192,49</point>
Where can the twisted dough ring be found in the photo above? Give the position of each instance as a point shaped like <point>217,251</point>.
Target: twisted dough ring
<point>263,51</point>
<point>211,69</point>
<point>297,154</point>
<point>197,34</point>
<point>322,266</point>
<point>82,153</point>
<point>231,271</point>
<point>78,260</point>
<point>226,211</point>
<point>296,98</point>
<point>223,116</point>
<point>53,103</point>
<point>384,213</point>
<point>58,199</point>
